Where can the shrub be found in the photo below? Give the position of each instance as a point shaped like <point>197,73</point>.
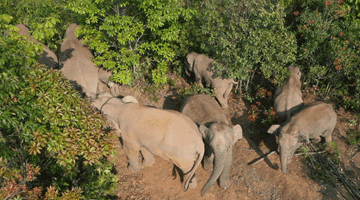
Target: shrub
<point>328,51</point>
<point>46,126</point>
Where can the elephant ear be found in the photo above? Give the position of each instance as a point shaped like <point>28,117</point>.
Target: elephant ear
<point>203,130</point>
<point>238,132</point>
<point>274,129</point>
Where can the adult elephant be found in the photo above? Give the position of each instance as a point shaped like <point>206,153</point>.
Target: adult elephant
<point>152,131</point>
<point>76,65</point>
<point>217,134</point>
<point>313,120</point>
<point>201,65</point>
<point>47,57</point>
<point>288,97</point>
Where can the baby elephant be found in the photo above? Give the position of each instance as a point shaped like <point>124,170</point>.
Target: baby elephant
<point>218,136</point>
<point>288,97</point>
<point>151,131</point>
<point>200,65</point>
<point>313,120</point>
<point>76,65</point>
<point>48,57</point>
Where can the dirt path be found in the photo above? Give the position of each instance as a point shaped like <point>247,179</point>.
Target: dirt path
<point>263,180</point>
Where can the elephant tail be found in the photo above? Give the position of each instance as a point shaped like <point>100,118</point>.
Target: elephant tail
<point>191,173</point>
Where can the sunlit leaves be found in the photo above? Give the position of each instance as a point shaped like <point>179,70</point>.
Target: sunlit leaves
<point>138,35</point>
<point>247,36</point>
<point>45,122</point>
<point>329,49</point>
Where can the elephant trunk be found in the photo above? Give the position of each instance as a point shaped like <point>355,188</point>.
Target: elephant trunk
<point>219,163</point>
<point>283,159</point>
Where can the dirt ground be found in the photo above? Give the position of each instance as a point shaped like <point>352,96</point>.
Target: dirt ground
<point>261,180</point>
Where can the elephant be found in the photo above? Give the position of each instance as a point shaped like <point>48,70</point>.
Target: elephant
<point>76,65</point>
<point>217,134</point>
<point>47,57</point>
<point>313,120</point>
<point>152,131</point>
<point>288,97</point>
<point>200,65</point>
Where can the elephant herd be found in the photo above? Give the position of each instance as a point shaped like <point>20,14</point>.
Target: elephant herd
<point>200,132</point>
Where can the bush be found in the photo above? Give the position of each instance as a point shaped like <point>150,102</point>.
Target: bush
<point>46,129</point>
<point>328,49</point>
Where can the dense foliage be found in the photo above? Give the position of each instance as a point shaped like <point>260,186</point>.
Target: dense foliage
<point>328,49</point>
<point>247,36</point>
<point>52,142</point>
<point>49,136</point>
<point>131,36</point>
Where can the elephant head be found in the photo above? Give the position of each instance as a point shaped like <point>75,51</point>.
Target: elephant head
<point>295,71</point>
<point>189,62</point>
<point>71,29</point>
<point>287,146</point>
<point>288,143</point>
<point>219,138</point>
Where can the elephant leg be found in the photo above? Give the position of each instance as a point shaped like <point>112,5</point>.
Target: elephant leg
<point>209,163</point>
<point>186,168</point>
<point>131,150</point>
<point>227,91</point>
<point>220,97</point>
<point>149,158</point>
<point>224,179</point>
<point>327,135</point>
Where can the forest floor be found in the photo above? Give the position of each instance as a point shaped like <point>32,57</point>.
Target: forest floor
<point>261,180</point>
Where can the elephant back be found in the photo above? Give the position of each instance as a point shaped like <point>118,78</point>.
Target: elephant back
<point>203,109</point>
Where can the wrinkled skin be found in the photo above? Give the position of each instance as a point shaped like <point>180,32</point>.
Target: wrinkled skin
<point>76,65</point>
<point>199,64</point>
<point>151,131</point>
<point>288,97</point>
<point>313,120</point>
<point>218,136</point>
<point>47,57</point>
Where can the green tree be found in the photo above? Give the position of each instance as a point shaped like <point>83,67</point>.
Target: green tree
<point>46,19</point>
<point>248,37</point>
<point>132,35</point>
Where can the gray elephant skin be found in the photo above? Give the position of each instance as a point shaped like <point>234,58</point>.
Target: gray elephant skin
<point>76,65</point>
<point>288,97</point>
<point>313,120</point>
<point>200,65</point>
<point>217,134</point>
<point>152,131</point>
<point>47,57</point>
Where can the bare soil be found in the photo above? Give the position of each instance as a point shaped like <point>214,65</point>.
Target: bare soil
<point>262,180</point>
